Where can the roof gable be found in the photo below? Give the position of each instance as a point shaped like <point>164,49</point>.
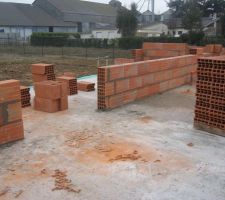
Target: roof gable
<point>17,14</point>
<point>84,7</point>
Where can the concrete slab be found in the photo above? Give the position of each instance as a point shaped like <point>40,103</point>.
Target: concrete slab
<point>147,150</point>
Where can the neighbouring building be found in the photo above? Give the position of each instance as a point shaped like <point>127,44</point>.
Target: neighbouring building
<point>211,25</point>
<point>57,16</point>
<point>153,30</point>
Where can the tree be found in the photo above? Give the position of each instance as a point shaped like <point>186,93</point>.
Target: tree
<point>192,16</point>
<point>177,7</point>
<point>208,7</point>
<point>223,25</point>
<point>127,21</point>
<point>211,7</point>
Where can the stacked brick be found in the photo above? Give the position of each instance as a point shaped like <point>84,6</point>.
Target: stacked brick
<point>11,124</point>
<point>85,86</point>
<point>51,96</point>
<point>71,84</point>
<point>210,103</point>
<point>42,72</point>
<point>121,84</point>
<point>25,96</point>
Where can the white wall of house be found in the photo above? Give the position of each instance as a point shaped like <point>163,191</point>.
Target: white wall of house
<point>106,34</point>
<point>86,36</point>
<point>20,31</point>
<point>25,32</point>
<point>178,32</point>
<point>153,31</point>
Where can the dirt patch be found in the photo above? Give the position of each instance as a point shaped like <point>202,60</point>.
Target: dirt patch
<point>4,191</point>
<point>105,148</point>
<point>190,144</point>
<point>109,149</point>
<point>63,183</point>
<point>145,119</point>
<point>77,140</point>
<point>17,194</point>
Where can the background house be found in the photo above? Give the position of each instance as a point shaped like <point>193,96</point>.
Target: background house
<point>55,16</point>
<point>153,30</point>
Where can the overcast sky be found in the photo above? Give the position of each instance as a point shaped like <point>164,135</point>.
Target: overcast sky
<point>160,5</point>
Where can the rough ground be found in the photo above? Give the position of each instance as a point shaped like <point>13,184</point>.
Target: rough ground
<point>147,150</point>
<point>17,66</point>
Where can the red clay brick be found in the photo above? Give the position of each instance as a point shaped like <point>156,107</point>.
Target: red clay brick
<point>63,103</point>
<point>39,68</point>
<point>135,82</point>
<point>48,90</point>
<point>109,89</point>
<point>122,85</point>
<point>46,105</point>
<point>14,112</point>
<point>115,101</point>
<point>130,96</point>
<point>39,77</point>
<point>130,70</point>
<point>9,90</point>
<point>116,72</point>
<point>11,132</point>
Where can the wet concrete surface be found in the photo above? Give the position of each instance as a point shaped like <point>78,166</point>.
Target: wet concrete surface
<point>147,150</point>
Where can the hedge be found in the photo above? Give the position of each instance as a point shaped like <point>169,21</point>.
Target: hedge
<point>52,39</point>
<point>74,40</point>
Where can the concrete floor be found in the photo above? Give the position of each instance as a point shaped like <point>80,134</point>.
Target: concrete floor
<point>147,150</point>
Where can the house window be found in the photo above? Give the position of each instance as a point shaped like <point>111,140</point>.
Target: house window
<point>79,27</point>
<point>180,32</point>
<point>2,30</point>
<point>50,29</point>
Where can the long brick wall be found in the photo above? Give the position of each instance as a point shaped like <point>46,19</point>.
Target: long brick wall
<point>122,84</point>
<point>164,50</point>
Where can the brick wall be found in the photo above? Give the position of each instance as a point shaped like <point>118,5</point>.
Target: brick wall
<point>164,50</point>
<point>121,84</point>
<point>151,51</point>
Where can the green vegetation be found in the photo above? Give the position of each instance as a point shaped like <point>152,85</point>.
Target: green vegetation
<point>127,21</point>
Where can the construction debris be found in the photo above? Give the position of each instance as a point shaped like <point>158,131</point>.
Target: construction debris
<point>127,157</point>
<point>62,183</point>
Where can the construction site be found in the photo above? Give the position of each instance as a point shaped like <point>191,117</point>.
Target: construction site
<point>150,127</point>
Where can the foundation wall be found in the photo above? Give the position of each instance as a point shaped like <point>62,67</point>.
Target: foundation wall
<point>122,84</point>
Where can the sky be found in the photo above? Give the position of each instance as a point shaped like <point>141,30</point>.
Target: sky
<point>160,5</point>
